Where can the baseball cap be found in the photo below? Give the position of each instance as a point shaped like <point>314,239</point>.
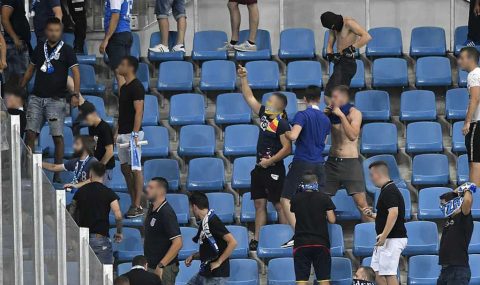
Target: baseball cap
<point>84,110</point>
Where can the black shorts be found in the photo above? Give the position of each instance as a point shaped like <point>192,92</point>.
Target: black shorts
<point>267,183</point>
<point>118,47</point>
<point>318,256</point>
<point>294,177</point>
<point>346,172</point>
<point>344,70</point>
<point>472,143</point>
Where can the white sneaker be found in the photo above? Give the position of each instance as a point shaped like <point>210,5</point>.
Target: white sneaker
<point>179,47</point>
<point>245,46</point>
<point>159,48</point>
<point>228,47</point>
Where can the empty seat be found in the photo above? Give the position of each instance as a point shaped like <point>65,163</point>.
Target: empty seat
<point>433,71</point>
<point>45,141</point>
<point>218,75</point>
<point>247,211</point>
<point>207,45</point>
<point>166,168</point>
<point>341,271</point>
<point>423,269</point>
<point>196,140</point>
<point>270,241</point>
<point>462,169</point>
<point>88,82</point>
<point>458,139</point>
<point>422,237</point>
<point>187,109</point>
<point>180,205</point>
<point>186,273</point>
<point>263,43</point>
<point>240,140</point>
<point>242,167</point>
<point>345,206</point>
<point>125,203</point>
<point>406,199</point>
<point>243,272</point>
<point>205,174</point>
<point>135,49</point>
<point>337,245</point>
<point>292,107</point>
<point>304,73</point>
<point>155,39</point>
<point>241,236</point>
<point>372,143</point>
<point>231,108</point>
<point>263,74</point>
<point>392,169</point>
<point>188,246</point>
<point>386,41</point>
<point>430,169</point>
<point>358,80</point>
<point>151,111</point>
<point>456,103</point>
<point>143,74</point>
<point>460,38</point>
<point>175,76</point>
<point>364,239</point>
<point>428,41</point>
<point>418,105</point>
<point>124,268</point>
<point>374,105</point>
<point>389,72</point>
<point>474,246</point>
<point>428,199</point>
<point>224,206</point>
<point>297,43</point>
<point>424,137</point>
<point>129,247</point>
<point>462,78</point>
<point>158,143</point>
<point>281,271</point>
<point>474,260</point>
<point>84,57</point>
<point>117,183</point>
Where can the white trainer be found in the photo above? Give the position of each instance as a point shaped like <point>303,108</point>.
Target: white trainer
<point>159,48</point>
<point>228,47</point>
<point>245,46</point>
<point>179,47</point>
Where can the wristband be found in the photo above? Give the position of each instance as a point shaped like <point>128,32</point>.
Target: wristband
<point>135,134</point>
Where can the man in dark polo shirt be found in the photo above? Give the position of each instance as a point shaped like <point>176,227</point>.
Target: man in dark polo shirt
<point>163,240</point>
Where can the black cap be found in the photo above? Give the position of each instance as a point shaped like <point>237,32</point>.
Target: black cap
<point>84,110</point>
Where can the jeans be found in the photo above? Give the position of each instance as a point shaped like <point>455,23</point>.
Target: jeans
<point>163,8</point>
<point>454,275</point>
<point>102,246</point>
<point>17,60</point>
<point>51,110</point>
<point>197,279</point>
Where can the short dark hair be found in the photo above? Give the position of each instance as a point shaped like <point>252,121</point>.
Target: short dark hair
<point>88,143</point>
<point>15,90</point>
<point>121,280</point>
<point>132,61</point>
<point>282,98</point>
<point>369,273</point>
<point>139,260</point>
<point>162,181</point>
<point>448,196</point>
<point>309,177</point>
<point>377,163</point>
<point>312,93</point>
<point>53,21</point>
<point>199,199</point>
<point>471,52</point>
<point>98,168</point>
<point>341,88</point>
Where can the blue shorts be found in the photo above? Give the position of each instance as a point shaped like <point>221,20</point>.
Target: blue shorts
<point>51,110</point>
<point>102,246</point>
<point>118,47</point>
<point>164,8</point>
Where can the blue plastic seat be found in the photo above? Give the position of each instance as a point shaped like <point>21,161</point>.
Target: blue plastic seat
<point>243,272</point>
<point>292,107</point>
<point>430,169</point>
<point>325,44</point>
<point>474,260</point>
<point>88,81</point>
<point>33,39</point>
<point>123,268</point>
<point>224,206</point>
<point>374,105</point>
<point>428,201</point>
<point>125,203</point>
<point>423,137</point>
<point>143,74</point>
<point>247,211</point>
<point>462,169</point>
<point>418,105</point>
<point>242,167</point>
<point>422,237</point>
<point>263,74</point>
<point>386,41</point>
<point>456,103</point>
<point>218,75</point>
<point>205,174</point>
<point>428,41</point>
<point>337,244</point>
<point>130,246</point>
<point>263,43</point>
<point>462,78</point>
<point>406,199</point>
<point>180,205</point>
<point>231,108</point>
<point>346,209</point>
<point>433,71</point>
<point>270,241</point>
<point>166,168</point>
<point>83,58</point>
<point>364,239</point>
<point>45,141</point>
<point>135,49</point>
<point>155,39</point>
<point>158,143</point>
<point>304,73</point>
<point>392,169</point>
<point>241,236</point>
<point>240,140</point>
<point>187,109</point>
<point>117,183</point>
<point>459,39</point>
<point>188,247</point>
<point>207,45</point>
<point>476,206</point>
<point>423,270</point>
<point>281,271</point>
<point>474,246</point>
<point>196,140</point>
<point>175,76</point>
<point>389,72</point>
<point>186,273</point>
<point>151,111</point>
<point>372,143</point>
<point>297,43</point>
<point>358,80</point>
<point>458,139</point>
<point>341,271</point>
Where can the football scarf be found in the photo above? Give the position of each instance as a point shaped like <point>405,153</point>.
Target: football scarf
<point>134,155</point>
<point>334,119</point>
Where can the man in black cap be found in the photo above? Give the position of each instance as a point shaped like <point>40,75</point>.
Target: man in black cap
<point>349,37</point>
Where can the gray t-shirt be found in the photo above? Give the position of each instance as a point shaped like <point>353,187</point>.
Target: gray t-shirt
<point>80,168</point>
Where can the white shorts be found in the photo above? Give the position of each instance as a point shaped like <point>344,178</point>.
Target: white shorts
<point>124,153</point>
<point>385,258</point>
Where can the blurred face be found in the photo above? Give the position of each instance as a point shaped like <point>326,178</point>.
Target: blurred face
<point>13,102</point>
<point>77,148</point>
<point>91,119</point>
<point>53,32</point>
<point>339,98</point>
<point>376,177</point>
<point>195,211</point>
<point>124,68</point>
<point>360,274</point>
<point>154,191</point>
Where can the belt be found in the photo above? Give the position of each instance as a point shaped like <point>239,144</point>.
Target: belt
<point>96,236</point>
<point>340,159</point>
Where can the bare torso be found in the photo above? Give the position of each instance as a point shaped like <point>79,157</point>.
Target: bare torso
<point>346,37</point>
<point>342,146</point>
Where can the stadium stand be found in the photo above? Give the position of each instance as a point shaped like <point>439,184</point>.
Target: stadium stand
<point>290,47</point>
<point>428,41</point>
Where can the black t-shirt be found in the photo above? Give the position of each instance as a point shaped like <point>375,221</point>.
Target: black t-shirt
<point>18,20</point>
<point>142,277</point>
<point>310,210</point>
<point>161,227</point>
<point>456,236</point>
<point>23,118</point>
<point>268,143</point>
<point>93,207</point>
<point>208,253</point>
<point>54,84</point>
<point>103,135</point>
<point>391,197</point>
<point>129,93</point>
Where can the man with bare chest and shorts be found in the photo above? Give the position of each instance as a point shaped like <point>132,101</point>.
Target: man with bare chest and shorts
<point>343,167</point>
<point>349,37</point>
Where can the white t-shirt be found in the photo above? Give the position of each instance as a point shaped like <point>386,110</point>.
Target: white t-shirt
<point>473,80</point>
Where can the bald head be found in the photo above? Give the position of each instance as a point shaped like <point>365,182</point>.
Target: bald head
<point>379,173</point>
<point>365,273</point>
<point>121,280</point>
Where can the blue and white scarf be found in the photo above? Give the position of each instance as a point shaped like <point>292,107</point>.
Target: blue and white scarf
<point>47,65</point>
<point>135,155</point>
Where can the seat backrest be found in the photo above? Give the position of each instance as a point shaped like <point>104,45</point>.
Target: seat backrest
<point>371,130</point>
<point>186,108</point>
<point>87,74</point>
<point>223,203</point>
<point>205,169</point>
<point>262,41</point>
<point>132,240</point>
<point>231,104</point>
<point>364,234</point>
<point>135,49</point>
<point>186,273</point>
<point>123,268</point>
<point>423,266</point>
<point>151,111</point>
<point>297,40</point>
<point>417,100</point>
<point>422,37</point>
<point>428,197</point>
<point>242,166</point>
<point>243,270</point>
<point>386,37</point>
<point>166,168</point>
<point>273,236</point>
<point>389,159</point>
<point>156,38</point>
<point>422,232</point>
<point>197,135</point>
<point>341,269</point>
<point>209,40</point>
<point>174,72</point>
<point>372,100</point>
<point>419,132</point>
<point>241,138</point>
<point>156,136</point>
<point>460,35</point>
<point>187,234</point>
<point>241,236</point>
<point>457,99</point>
<point>281,269</point>
<point>263,71</point>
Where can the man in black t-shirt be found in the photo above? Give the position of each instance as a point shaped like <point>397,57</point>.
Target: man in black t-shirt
<point>389,225</point>
<point>456,236</point>
<point>131,98</point>
<point>139,274</point>
<point>272,147</point>
<point>91,205</point>
<point>216,244</point>
<point>312,209</point>
<point>163,239</point>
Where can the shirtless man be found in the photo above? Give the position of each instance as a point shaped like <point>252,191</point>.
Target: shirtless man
<point>343,168</point>
<point>349,36</point>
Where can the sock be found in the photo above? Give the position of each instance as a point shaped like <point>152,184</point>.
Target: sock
<point>232,42</point>
<point>252,43</point>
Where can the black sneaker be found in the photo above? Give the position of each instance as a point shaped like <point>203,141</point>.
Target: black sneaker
<point>253,245</point>
<point>288,244</point>
<point>134,212</point>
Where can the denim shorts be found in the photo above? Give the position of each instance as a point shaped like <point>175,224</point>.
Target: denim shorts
<point>102,246</point>
<point>164,8</point>
<point>124,153</point>
<point>51,110</point>
<point>118,47</point>
<point>198,279</point>
<point>17,61</point>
